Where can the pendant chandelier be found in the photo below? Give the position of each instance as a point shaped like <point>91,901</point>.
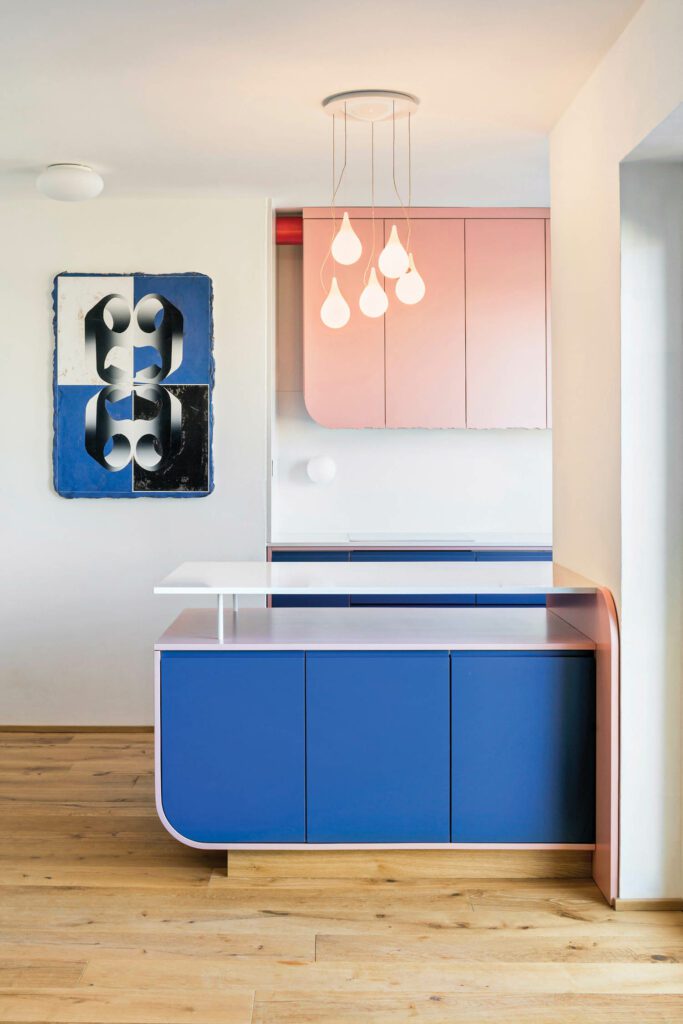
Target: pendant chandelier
<point>396,260</point>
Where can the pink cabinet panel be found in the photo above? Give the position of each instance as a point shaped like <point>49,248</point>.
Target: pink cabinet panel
<point>425,343</point>
<point>343,369</point>
<point>506,323</point>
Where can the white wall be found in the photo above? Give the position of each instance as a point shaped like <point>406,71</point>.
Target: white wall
<point>638,83</point>
<point>77,615</point>
<point>473,483</point>
<point>652,520</point>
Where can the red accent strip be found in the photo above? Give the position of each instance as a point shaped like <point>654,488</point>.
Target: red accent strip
<point>289,231</point>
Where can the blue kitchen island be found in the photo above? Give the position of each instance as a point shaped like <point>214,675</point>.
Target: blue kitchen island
<point>379,724</point>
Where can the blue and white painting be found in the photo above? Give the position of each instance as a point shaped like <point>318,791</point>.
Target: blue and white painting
<point>133,376</point>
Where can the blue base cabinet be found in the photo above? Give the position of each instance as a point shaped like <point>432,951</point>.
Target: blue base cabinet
<point>378,747</point>
<point>523,747</point>
<point>233,745</point>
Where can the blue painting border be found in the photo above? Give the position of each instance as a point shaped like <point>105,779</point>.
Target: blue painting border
<point>55,392</point>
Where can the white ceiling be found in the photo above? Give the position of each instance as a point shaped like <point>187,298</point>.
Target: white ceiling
<point>219,97</point>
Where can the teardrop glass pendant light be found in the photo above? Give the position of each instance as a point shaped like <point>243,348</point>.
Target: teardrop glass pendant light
<point>335,311</point>
<point>373,299</point>
<point>346,247</point>
<point>370,106</point>
<point>393,259</point>
<point>410,287</point>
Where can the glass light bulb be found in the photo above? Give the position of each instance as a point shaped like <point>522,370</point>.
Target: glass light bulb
<point>393,259</point>
<point>346,246</point>
<point>373,299</point>
<point>335,311</point>
<point>410,287</point>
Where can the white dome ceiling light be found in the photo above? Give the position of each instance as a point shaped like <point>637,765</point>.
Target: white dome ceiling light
<point>395,260</point>
<point>70,183</point>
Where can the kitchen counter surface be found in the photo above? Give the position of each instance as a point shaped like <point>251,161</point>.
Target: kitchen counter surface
<point>393,629</point>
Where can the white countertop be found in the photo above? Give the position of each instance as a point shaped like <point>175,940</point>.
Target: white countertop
<point>451,629</point>
<point>469,541</point>
<point>302,578</point>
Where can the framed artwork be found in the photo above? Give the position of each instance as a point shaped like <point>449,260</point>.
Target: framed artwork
<point>133,379</point>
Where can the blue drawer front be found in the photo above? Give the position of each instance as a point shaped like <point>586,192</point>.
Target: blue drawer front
<point>309,556</point>
<point>523,747</point>
<point>514,556</point>
<point>397,600</point>
<point>413,555</point>
<point>233,745</point>
<point>511,600</point>
<point>310,600</point>
<point>412,600</point>
<point>378,746</point>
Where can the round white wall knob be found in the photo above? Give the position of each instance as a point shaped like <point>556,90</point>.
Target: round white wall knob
<point>321,469</point>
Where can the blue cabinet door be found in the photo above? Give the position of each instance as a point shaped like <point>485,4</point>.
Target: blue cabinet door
<point>415,555</point>
<point>523,747</point>
<point>233,745</point>
<point>378,746</point>
<point>310,600</point>
<point>508,600</point>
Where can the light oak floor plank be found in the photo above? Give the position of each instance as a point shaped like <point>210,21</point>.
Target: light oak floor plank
<point>271,980</point>
<point>133,1006</point>
<point>18,971</point>
<point>472,1009</point>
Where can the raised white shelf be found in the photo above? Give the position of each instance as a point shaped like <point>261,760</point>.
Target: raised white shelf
<point>241,578</point>
<point>394,629</point>
<point>416,578</point>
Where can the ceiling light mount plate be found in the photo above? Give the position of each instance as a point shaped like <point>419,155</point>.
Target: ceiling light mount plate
<point>371,104</point>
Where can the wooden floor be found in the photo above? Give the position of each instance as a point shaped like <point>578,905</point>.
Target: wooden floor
<point>105,918</point>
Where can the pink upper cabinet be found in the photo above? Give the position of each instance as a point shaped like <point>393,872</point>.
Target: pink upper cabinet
<point>506,322</point>
<point>474,352</point>
<point>344,368</point>
<point>425,343</point>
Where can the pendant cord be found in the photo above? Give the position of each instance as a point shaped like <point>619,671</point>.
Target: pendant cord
<point>334,171</point>
<point>393,169</point>
<point>372,199</point>
<point>336,184</point>
<point>410,176</point>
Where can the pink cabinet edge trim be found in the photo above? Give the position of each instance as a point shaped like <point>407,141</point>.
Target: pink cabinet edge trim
<point>596,617</point>
<point>424,212</point>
